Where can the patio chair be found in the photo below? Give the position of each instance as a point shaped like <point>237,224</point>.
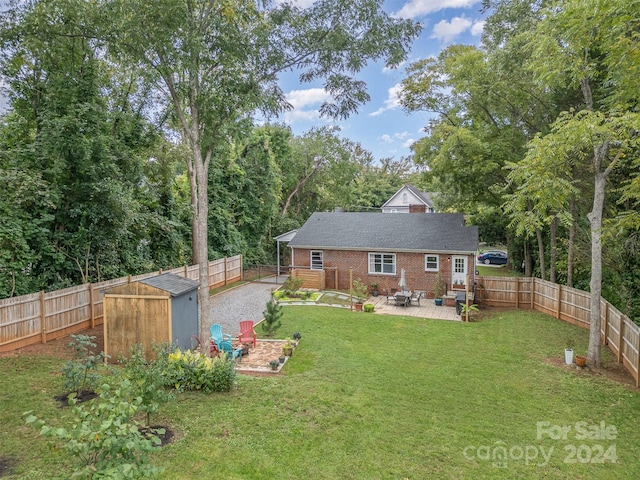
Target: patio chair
<point>402,300</point>
<point>389,295</point>
<point>227,347</point>
<point>217,336</point>
<point>417,295</point>
<point>247,333</point>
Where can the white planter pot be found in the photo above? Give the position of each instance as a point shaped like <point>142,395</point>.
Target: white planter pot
<point>568,356</point>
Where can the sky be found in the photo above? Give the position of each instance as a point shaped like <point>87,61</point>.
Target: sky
<point>381,126</point>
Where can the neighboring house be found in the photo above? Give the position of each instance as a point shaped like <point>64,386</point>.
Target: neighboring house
<point>377,247</point>
<point>409,200</point>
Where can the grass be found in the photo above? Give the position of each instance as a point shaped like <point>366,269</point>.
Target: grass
<point>372,396</point>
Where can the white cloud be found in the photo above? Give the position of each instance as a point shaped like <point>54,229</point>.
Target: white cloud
<point>401,135</point>
<point>303,102</point>
<point>478,28</point>
<point>447,31</point>
<point>408,143</point>
<point>419,8</point>
<point>386,138</point>
<point>391,103</point>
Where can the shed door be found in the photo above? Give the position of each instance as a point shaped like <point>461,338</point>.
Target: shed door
<point>459,273</point>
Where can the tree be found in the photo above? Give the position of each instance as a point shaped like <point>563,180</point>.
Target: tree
<point>567,51</point>
<point>215,63</point>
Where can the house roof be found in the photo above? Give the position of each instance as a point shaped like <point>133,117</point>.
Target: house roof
<point>437,232</point>
<point>174,284</point>
<point>422,196</point>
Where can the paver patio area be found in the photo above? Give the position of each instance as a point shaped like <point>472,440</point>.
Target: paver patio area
<point>427,309</point>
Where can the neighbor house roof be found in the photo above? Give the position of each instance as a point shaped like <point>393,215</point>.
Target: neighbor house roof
<point>174,284</point>
<point>437,232</point>
<point>422,196</point>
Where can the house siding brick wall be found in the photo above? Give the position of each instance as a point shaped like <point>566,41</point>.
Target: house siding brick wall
<point>413,263</point>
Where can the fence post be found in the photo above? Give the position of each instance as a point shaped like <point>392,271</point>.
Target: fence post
<point>225,271</point>
<point>532,289</point>
<point>559,304</point>
<point>606,324</point>
<point>621,339</point>
<point>517,292</point>
<point>43,319</point>
<point>93,315</point>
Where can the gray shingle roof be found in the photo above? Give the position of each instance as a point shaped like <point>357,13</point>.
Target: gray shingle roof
<point>435,232</point>
<point>174,284</point>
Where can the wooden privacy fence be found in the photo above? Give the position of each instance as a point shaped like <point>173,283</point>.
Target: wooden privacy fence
<point>618,332</point>
<point>312,278</point>
<point>40,317</point>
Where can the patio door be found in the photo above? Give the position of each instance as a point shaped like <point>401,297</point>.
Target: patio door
<point>459,270</point>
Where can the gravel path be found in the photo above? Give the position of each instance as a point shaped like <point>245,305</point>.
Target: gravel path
<point>246,302</point>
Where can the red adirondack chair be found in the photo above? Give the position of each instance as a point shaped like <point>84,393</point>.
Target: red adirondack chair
<point>247,333</point>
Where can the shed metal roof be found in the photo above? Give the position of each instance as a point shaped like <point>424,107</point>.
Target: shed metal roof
<point>436,232</point>
<point>174,284</point>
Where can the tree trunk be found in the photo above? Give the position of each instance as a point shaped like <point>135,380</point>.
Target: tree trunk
<point>572,241</point>
<point>595,286</point>
<point>527,259</point>
<point>201,220</point>
<point>553,250</point>
<point>543,273</point>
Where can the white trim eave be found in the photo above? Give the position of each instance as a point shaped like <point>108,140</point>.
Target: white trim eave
<point>390,250</point>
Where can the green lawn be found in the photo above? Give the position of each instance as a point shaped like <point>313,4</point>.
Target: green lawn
<point>369,396</point>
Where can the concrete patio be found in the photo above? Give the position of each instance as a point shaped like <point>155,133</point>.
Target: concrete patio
<point>427,309</point>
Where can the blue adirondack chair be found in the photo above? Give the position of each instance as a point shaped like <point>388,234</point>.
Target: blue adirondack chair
<point>227,348</point>
<point>217,336</point>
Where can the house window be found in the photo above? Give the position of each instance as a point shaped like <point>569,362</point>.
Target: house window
<point>382,263</point>
<point>431,263</point>
<point>405,198</point>
<point>316,260</point>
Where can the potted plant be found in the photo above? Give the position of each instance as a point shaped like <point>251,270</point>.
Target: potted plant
<point>470,309</point>
<point>581,360</point>
<point>274,364</point>
<point>287,349</point>
<point>360,292</point>
<point>374,289</point>
<point>568,351</point>
<point>458,285</point>
<point>296,336</point>
<point>282,358</point>
<point>438,290</point>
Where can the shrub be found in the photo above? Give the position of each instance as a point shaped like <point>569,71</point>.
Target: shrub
<point>147,378</point>
<point>292,285</point>
<point>359,289</point>
<point>81,372</point>
<point>369,307</point>
<point>104,438</point>
<point>272,316</point>
<point>195,371</point>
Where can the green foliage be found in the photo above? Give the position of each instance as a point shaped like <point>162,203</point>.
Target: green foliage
<point>360,289</point>
<point>272,315</point>
<point>292,285</point>
<point>439,287</point>
<point>81,372</point>
<point>147,378</point>
<point>189,370</point>
<point>103,438</point>
<point>369,307</point>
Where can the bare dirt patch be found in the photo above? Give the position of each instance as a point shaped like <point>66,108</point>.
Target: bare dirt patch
<point>59,348</point>
<point>613,371</point>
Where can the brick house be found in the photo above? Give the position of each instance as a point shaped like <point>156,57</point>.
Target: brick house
<point>378,246</point>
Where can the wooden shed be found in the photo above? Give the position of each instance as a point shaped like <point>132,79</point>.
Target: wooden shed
<point>155,310</point>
